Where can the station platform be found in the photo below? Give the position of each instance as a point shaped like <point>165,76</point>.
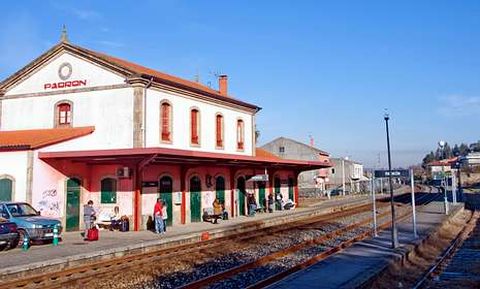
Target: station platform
<point>74,251</point>
<point>356,265</point>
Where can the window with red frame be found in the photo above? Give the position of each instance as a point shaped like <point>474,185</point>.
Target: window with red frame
<point>240,134</point>
<point>195,125</point>
<point>64,114</point>
<point>219,129</point>
<point>166,111</point>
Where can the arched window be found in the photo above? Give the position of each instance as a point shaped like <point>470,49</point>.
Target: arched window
<point>219,131</point>
<point>108,191</point>
<point>166,122</point>
<point>240,134</point>
<point>195,127</point>
<point>63,117</point>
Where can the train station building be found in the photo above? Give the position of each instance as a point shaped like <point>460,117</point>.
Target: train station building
<point>78,125</point>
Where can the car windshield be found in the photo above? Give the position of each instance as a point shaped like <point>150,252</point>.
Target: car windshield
<point>21,210</point>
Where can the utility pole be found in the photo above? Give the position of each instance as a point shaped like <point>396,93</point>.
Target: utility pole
<point>374,205</point>
<point>343,176</point>
<point>413,205</point>
<point>394,226</point>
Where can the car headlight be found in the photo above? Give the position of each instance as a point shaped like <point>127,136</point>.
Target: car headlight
<point>35,226</point>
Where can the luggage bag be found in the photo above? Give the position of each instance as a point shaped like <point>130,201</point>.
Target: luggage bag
<point>92,234</point>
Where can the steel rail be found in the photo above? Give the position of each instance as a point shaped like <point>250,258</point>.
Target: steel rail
<point>281,253</point>
<point>447,253</point>
<point>58,278</point>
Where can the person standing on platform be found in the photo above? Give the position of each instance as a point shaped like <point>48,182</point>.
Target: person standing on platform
<point>252,204</point>
<point>270,202</point>
<point>157,214</point>
<point>89,216</point>
<point>164,215</point>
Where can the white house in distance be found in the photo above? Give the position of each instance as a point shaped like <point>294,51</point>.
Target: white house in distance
<point>77,125</point>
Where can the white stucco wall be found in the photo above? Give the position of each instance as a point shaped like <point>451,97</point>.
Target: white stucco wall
<point>81,70</point>
<point>181,106</point>
<point>14,164</point>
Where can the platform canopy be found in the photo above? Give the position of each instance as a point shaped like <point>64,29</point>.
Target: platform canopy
<point>149,156</point>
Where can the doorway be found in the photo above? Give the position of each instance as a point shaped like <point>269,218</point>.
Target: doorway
<point>241,195</point>
<point>73,204</point>
<point>195,199</point>
<point>166,190</point>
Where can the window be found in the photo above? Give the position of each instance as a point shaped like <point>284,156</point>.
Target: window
<point>240,134</point>
<point>219,130</point>
<point>6,189</point>
<point>333,171</point>
<point>281,149</point>
<point>195,126</point>
<point>63,114</point>
<point>166,122</point>
<point>108,191</point>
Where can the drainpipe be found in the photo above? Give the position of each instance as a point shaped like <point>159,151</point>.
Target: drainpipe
<point>145,112</point>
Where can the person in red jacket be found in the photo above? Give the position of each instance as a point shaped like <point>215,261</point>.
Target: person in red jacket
<point>157,214</point>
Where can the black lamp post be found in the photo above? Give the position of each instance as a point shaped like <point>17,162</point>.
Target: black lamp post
<point>394,227</point>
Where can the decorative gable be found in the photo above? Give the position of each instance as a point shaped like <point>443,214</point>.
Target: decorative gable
<point>62,72</point>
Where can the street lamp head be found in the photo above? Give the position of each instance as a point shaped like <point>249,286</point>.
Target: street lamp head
<point>441,143</point>
<point>386,116</point>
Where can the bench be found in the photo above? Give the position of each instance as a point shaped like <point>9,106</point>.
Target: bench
<point>209,216</point>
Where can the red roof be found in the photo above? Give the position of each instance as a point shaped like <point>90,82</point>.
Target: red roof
<point>164,77</point>
<point>261,153</point>
<point>446,162</point>
<point>37,138</point>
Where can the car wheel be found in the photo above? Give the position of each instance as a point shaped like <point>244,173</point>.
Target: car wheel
<point>3,246</point>
<point>21,235</point>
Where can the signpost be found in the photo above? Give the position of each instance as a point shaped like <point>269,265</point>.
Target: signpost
<point>395,173</point>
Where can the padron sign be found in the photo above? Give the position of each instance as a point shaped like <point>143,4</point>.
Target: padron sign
<point>64,72</point>
<point>395,173</point>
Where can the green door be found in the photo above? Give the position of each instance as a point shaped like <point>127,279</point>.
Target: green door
<point>276,187</point>
<point>220,189</point>
<point>6,190</point>
<point>261,194</point>
<point>166,190</point>
<point>241,196</point>
<point>195,199</point>
<point>73,204</point>
<point>290,189</point>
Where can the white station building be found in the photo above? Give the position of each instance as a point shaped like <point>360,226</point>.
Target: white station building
<point>78,125</point>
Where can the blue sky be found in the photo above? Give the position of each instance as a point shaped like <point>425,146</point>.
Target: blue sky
<point>326,69</point>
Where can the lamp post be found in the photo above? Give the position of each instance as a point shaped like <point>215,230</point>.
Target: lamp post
<point>441,144</point>
<point>394,227</point>
<point>343,176</point>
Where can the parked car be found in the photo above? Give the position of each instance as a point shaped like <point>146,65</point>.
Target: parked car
<point>29,222</point>
<point>8,234</point>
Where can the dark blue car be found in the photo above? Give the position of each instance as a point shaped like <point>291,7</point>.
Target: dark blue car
<point>8,234</point>
<point>29,221</point>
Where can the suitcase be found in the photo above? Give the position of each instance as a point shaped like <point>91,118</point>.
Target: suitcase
<point>92,234</point>
<point>124,226</point>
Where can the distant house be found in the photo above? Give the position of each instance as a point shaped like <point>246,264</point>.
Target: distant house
<point>286,148</point>
<point>472,159</point>
<point>346,170</point>
<point>439,168</point>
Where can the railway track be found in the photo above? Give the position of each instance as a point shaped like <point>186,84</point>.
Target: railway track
<point>88,272</point>
<point>453,269</point>
<point>217,280</point>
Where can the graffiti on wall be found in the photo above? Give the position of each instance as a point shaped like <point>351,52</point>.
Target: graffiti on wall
<point>49,205</point>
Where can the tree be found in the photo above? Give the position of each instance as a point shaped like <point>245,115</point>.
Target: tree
<point>428,159</point>
<point>456,151</point>
<point>464,150</point>
<point>475,147</point>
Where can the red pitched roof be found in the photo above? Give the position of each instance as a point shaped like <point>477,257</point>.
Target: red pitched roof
<point>261,153</point>
<point>446,162</point>
<point>164,77</point>
<point>37,138</point>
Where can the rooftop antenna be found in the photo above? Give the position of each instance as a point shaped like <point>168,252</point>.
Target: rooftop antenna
<point>197,76</point>
<point>64,35</point>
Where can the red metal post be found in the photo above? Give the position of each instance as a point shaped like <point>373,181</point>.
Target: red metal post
<point>232,190</point>
<point>137,182</point>
<point>295,192</point>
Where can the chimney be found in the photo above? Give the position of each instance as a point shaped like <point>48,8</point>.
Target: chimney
<point>223,84</point>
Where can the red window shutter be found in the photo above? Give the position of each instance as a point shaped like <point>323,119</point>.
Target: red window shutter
<point>219,131</point>
<point>194,128</point>
<point>165,122</point>
<point>240,134</point>
<point>64,114</point>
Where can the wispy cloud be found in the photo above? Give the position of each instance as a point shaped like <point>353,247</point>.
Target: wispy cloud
<point>459,105</point>
<point>111,43</point>
<point>86,14</point>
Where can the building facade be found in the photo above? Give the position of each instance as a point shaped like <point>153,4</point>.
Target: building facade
<point>348,172</point>
<point>290,149</point>
<point>79,125</point>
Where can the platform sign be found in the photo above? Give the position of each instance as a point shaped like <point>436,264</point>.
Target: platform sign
<point>259,178</point>
<point>395,173</point>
